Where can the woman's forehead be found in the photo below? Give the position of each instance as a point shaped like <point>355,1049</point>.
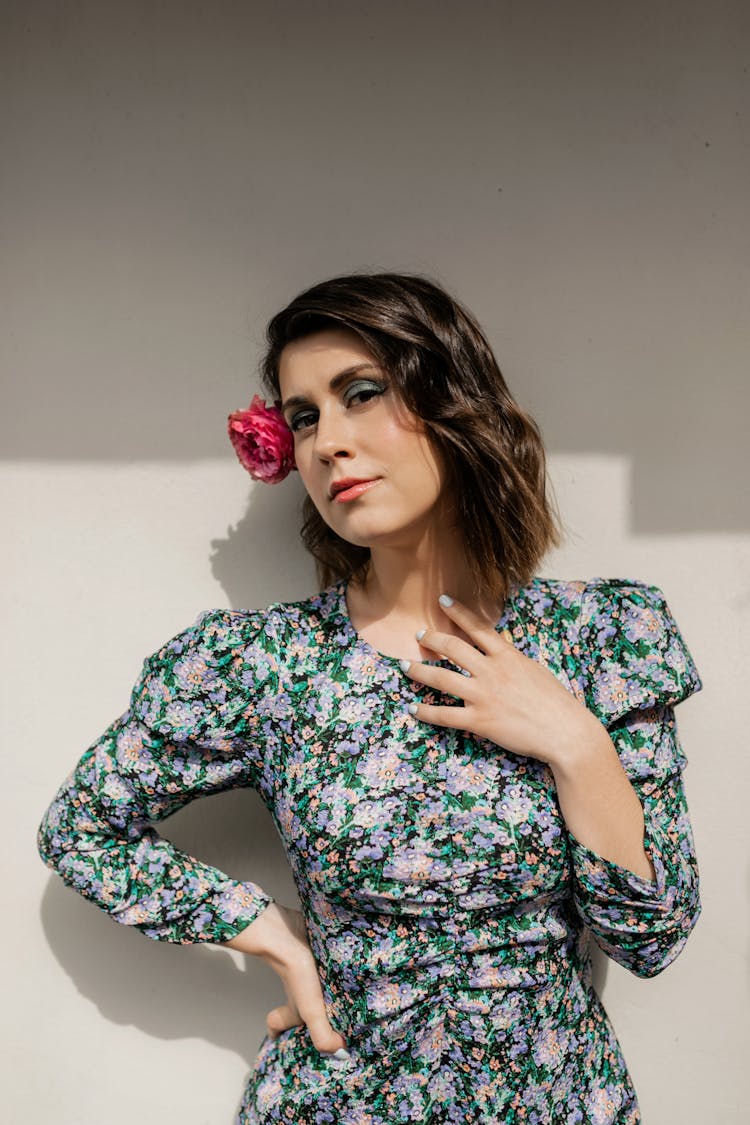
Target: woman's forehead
<point>323,355</point>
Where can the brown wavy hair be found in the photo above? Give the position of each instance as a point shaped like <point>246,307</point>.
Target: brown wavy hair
<point>444,370</point>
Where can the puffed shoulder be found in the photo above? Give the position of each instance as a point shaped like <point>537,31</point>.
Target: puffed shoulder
<point>190,688</point>
<point>633,653</point>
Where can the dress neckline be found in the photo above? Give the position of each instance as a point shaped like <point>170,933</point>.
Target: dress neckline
<point>356,638</point>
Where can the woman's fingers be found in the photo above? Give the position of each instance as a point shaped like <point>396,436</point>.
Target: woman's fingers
<point>455,649</point>
<point>281,1019</point>
<point>322,1034</point>
<point>443,679</point>
<point>304,984</point>
<point>283,945</point>
<point>298,970</point>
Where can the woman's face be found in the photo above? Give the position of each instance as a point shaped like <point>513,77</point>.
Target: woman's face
<point>358,428</point>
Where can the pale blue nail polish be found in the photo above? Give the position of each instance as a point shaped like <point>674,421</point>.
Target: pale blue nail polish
<point>341,1054</point>
<point>412,708</point>
<point>445,599</point>
<point>420,633</point>
<point>405,664</point>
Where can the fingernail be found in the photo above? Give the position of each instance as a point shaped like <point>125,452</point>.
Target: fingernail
<point>445,599</point>
<point>404,665</point>
<point>412,708</point>
<point>341,1053</point>
<point>420,633</point>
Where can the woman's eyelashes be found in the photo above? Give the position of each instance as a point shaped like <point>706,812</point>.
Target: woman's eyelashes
<point>353,391</point>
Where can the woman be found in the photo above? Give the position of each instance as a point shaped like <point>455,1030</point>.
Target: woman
<point>467,788</point>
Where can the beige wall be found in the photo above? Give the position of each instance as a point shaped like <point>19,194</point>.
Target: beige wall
<point>173,173</point>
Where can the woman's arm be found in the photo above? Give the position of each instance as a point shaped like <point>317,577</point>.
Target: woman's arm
<point>599,804</point>
<point>621,791</point>
<point>197,723</point>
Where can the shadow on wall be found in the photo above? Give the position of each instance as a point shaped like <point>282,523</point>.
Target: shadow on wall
<point>256,560</point>
<point>175,991</point>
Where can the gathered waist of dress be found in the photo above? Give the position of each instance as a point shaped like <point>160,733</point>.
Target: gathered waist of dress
<point>397,976</point>
<point>481,948</point>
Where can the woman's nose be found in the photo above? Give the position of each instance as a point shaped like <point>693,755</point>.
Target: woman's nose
<point>332,435</point>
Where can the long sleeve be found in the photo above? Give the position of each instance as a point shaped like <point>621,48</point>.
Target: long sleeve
<point>637,667</point>
<point>197,723</point>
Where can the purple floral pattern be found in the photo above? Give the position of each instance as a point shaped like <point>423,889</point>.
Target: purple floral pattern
<point>448,907</point>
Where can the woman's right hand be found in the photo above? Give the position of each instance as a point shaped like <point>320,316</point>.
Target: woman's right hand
<point>279,937</point>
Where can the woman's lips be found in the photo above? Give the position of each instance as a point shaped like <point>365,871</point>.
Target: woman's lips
<point>355,491</point>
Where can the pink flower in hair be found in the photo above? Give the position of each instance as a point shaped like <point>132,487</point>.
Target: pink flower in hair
<point>262,441</point>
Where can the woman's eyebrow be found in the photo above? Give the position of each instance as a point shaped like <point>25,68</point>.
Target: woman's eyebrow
<point>334,384</point>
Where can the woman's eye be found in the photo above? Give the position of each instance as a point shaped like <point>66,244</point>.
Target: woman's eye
<point>294,425</point>
<point>367,389</point>
<point>359,389</point>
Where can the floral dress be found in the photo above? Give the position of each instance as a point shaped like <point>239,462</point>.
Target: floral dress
<point>448,906</point>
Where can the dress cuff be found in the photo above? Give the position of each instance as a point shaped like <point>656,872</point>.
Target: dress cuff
<point>217,919</point>
<point>604,886</point>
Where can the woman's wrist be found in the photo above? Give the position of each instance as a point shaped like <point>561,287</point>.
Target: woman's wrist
<point>261,935</point>
<point>274,935</point>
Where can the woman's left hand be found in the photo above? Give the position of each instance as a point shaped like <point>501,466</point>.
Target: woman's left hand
<point>508,698</point>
